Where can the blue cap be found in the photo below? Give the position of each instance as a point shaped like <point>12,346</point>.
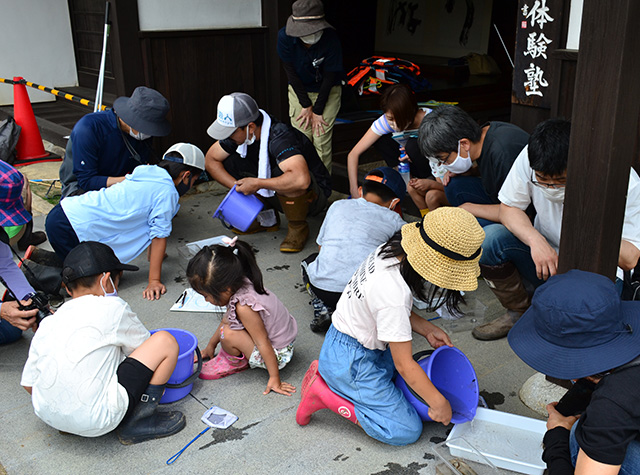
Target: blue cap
<point>389,178</point>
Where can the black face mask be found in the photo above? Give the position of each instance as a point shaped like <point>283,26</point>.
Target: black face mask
<point>183,187</point>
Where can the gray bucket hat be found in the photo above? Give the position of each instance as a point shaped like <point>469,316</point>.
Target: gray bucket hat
<point>145,111</point>
<point>307,18</point>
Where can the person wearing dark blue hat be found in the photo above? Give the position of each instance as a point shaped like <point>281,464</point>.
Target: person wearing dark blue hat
<point>351,230</point>
<point>577,327</point>
<point>104,146</point>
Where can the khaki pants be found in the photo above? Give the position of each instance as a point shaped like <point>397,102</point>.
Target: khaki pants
<point>322,143</point>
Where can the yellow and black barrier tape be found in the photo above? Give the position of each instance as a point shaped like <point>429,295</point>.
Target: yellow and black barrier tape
<point>55,92</point>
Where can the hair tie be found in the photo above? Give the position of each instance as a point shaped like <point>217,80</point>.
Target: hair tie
<point>230,242</point>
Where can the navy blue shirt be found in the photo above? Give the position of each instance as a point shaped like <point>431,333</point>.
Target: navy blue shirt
<point>98,151</point>
<point>327,54</point>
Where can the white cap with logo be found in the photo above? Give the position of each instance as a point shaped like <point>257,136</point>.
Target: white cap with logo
<point>234,110</point>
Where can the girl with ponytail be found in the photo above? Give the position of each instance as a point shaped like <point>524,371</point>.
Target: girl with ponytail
<point>257,330</point>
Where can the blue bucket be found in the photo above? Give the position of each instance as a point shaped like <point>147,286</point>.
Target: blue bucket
<point>452,374</point>
<point>181,381</point>
<point>238,210</point>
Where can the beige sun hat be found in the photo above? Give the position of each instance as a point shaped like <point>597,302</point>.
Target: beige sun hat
<point>445,247</point>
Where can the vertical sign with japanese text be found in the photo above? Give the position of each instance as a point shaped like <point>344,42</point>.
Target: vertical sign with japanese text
<point>537,35</point>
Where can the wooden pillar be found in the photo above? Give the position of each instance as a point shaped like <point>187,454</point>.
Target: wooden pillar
<point>604,136</point>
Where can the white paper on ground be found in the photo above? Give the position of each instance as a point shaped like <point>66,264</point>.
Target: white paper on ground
<point>194,302</point>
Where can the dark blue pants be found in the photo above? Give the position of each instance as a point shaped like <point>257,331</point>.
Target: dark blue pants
<point>60,232</point>
<point>468,189</point>
<point>8,333</point>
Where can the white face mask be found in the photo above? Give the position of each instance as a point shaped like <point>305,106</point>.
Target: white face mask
<point>460,164</point>
<point>109,294</point>
<point>139,135</point>
<point>312,39</point>
<point>249,141</point>
<point>555,195</point>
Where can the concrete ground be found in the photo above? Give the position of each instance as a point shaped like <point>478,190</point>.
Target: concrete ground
<point>266,438</point>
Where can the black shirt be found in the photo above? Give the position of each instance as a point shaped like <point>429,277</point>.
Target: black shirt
<point>610,422</point>
<point>502,144</point>
<point>284,142</point>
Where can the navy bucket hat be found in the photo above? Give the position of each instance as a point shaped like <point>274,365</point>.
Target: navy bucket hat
<point>577,326</point>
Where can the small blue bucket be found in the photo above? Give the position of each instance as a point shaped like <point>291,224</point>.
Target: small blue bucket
<point>238,210</point>
<point>452,374</point>
<point>181,381</point>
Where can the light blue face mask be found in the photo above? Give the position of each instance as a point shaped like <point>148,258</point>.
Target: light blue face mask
<point>109,294</point>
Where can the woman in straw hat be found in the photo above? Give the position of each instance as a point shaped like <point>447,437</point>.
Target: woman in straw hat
<point>372,327</point>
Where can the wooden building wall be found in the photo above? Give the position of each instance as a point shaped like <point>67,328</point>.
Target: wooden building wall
<point>193,69</point>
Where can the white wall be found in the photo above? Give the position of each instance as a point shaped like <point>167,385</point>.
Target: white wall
<point>37,46</point>
<point>575,20</point>
<point>198,14</point>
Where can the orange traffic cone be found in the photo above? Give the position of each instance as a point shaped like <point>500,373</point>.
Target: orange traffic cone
<point>30,142</point>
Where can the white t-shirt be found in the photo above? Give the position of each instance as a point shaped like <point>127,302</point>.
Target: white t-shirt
<point>73,360</point>
<point>376,304</point>
<point>351,230</point>
<point>518,191</point>
<point>382,127</point>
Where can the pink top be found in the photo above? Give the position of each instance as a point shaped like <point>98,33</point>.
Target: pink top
<point>280,325</point>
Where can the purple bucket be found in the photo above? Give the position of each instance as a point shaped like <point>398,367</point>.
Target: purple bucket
<point>181,381</point>
<point>238,210</point>
<point>451,373</point>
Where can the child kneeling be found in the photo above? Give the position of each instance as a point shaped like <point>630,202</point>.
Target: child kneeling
<point>371,334</point>
<point>257,331</point>
<point>92,365</point>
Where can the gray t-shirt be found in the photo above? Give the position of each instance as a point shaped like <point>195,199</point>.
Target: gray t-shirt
<point>351,231</point>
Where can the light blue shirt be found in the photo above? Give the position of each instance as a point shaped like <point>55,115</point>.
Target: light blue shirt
<point>127,215</point>
<point>351,231</point>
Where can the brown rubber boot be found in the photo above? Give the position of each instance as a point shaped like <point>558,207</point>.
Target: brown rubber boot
<point>296,210</point>
<point>505,282</point>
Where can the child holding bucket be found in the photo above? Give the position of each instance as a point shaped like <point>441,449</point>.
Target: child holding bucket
<point>257,330</point>
<point>132,215</point>
<point>92,365</point>
<point>371,333</point>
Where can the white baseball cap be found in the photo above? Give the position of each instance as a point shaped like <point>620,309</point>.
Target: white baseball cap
<point>234,110</point>
<point>191,155</point>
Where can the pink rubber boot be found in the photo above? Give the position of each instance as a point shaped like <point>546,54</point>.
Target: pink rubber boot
<point>316,395</point>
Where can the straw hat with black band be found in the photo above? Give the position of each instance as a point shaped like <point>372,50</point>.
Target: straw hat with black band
<point>445,248</point>
<point>307,18</point>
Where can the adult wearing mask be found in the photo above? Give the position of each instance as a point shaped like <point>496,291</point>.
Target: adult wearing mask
<point>107,145</point>
<point>261,155</point>
<point>13,321</point>
<point>477,159</point>
<point>311,55</point>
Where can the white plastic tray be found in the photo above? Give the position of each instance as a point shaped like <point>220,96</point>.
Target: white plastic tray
<point>509,441</point>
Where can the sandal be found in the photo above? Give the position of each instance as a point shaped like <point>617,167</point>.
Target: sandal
<point>223,364</point>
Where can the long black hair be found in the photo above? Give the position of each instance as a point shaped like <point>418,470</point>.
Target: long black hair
<point>434,296</point>
<point>214,269</point>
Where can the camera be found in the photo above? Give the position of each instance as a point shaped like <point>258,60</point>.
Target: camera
<point>40,302</point>
<point>576,400</point>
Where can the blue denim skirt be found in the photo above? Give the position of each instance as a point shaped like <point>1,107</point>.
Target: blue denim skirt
<point>364,377</point>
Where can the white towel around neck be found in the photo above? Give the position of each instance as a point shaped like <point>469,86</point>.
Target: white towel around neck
<point>264,167</point>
